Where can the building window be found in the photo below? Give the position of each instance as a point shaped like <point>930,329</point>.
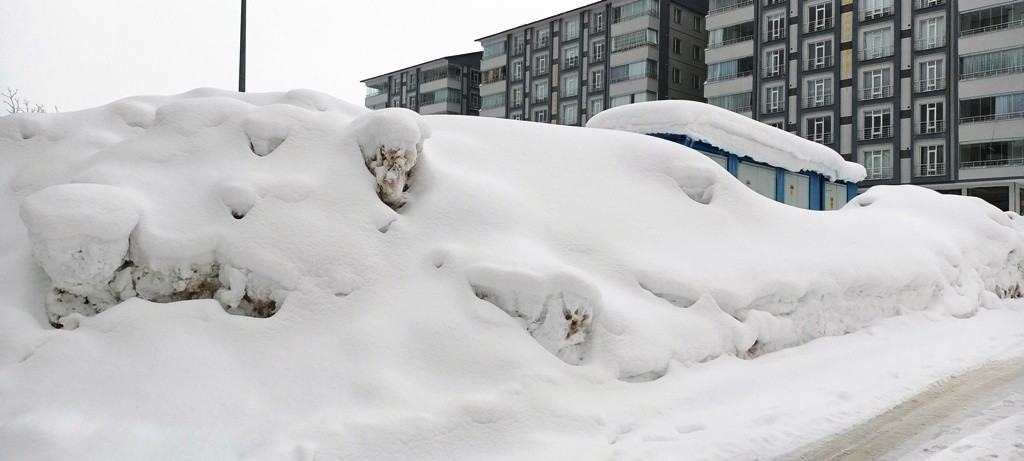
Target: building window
<point>412,82</point>
<point>737,102</point>
<point>819,17</point>
<point>732,34</point>
<point>597,80</point>
<point>450,95</point>
<point>875,9</point>
<point>677,75</point>
<point>819,129</point>
<point>730,69</point>
<point>571,29</point>
<point>493,101</point>
<point>517,70</point>
<point>570,85</point>
<point>677,45</point>
<point>517,116</point>
<point>931,33</point>
<point>540,64</point>
<point>931,161</point>
<point>571,57</point>
<point>517,98</point>
<point>1000,17</point>
<point>876,84</point>
<point>1000,107</point>
<point>540,91</point>
<point>642,96</point>
<point>543,37</point>
<point>878,164</point>
<point>597,50</point>
<point>634,71</point>
<point>494,49</point>
<point>540,115</point>
<point>877,43</point>
<point>1000,62</point>
<point>635,10</point>
<point>819,92</point>
<point>635,39</point>
<point>696,53</point>
<point>992,153</point>
<point>570,113</point>
<point>677,15</point>
<point>819,55</point>
<point>596,106</point>
<point>518,44</point>
<point>877,124</point>
<point>931,118</point>
<point>474,101</point>
<point>695,81</point>
<point>494,75</point>
<point>775,26</point>
<point>774,62</point>
<point>931,76</point>
<point>696,23</point>
<point>599,21</point>
<point>774,99</point>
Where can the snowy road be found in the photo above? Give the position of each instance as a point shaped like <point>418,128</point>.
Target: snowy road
<point>977,415</point>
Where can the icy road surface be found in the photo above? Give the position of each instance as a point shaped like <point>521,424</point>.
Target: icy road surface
<point>976,415</point>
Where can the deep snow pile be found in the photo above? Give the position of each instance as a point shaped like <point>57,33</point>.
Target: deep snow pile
<point>574,255</point>
<point>732,132</point>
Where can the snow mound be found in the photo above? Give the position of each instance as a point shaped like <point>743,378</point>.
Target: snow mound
<point>730,131</point>
<point>533,270</point>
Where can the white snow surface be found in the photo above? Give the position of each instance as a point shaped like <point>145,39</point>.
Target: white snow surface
<point>730,131</point>
<point>545,292</point>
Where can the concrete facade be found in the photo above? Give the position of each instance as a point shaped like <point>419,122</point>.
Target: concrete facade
<point>449,85</point>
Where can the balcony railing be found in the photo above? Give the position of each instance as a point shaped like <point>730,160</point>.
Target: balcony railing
<point>993,72</point>
<point>734,6</point>
<point>775,34</point>
<point>773,107</point>
<point>993,28</point>
<point>883,172</point>
<point>570,91</point>
<point>875,13</point>
<point>928,43</point>
<point>652,73</point>
<point>818,24</point>
<point>930,126</point>
<point>518,48</point>
<point>540,97</point>
<point>991,117</point>
<point>773,2</point>
<point>877,132</point>
<point>819,62</point>
<point>730,41</point>
<point>918,4</point>
<point>718,78</point>
<point>820,138</point>
<point>930,169</point>
<point>818,100</point>
<point>516,103</point>
<point>773,71</point>
<point>875,92</point>
<point>930,84</point>
<point>571,62</point>
<point>540,71</point>
<point>991,163</point>
<point>876,52</point>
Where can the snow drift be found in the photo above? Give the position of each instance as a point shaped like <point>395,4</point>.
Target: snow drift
<point>401,302</point>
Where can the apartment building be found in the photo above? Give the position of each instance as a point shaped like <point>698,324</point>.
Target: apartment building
<point>879,81</point>
<point>449,85</point>
<point>566,68</point>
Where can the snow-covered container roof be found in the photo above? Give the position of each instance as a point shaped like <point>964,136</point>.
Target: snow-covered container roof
<point>732,132</point>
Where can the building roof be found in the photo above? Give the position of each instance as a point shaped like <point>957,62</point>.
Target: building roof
<point>445,58</point>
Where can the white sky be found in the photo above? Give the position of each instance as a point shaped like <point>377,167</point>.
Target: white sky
<point>76,54</point>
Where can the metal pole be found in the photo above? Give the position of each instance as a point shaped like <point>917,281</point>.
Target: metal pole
<point>241,54</point>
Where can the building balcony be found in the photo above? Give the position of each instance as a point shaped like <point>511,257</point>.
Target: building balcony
<point>820,62</point>
<point>926,170</point>
<point>877,132</point>
<point>734,6</point>
<point>920,4</point>
<point>777,34</point>
<point>868,14</point>
<point>877,173</point>
<point>571,62</point>
<point>992,72</point>
<point>991,117</point>
<point>993,28</point>
<point>875,92</point>
<point>730,41</point>
<point>773,107</point>
<point>820,138</point>
<point>930,127</point>
<point>930,84</point>
<point>773,2</point>
<point>928,43</point>
<point>818,100</point>
<point>992,163</point>
<point>818,25</point>
<point>876,52</point>
<point>719,78</point>
<point>773,71</point>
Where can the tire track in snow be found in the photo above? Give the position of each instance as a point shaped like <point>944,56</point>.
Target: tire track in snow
<point>893,429</point>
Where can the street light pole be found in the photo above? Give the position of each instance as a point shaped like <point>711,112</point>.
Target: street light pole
<point>241,54</point>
